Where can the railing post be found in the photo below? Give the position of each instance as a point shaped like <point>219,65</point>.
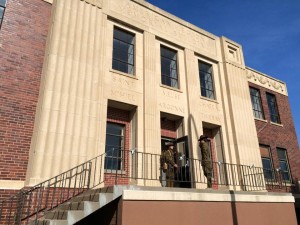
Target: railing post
<point>20,205</point>
<point>89,174</point>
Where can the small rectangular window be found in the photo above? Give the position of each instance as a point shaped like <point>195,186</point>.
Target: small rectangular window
<point>206,80</point>
<point>267,162</point>
<point>284,164</point>
<point>168,60</point>
<point>123,51</point>
<point>256,103</point>
<point>274,114</point>
<point>114,146</point>
<point>2,10</point>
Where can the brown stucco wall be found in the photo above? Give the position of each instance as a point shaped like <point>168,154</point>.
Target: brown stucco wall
<point>206,213</point>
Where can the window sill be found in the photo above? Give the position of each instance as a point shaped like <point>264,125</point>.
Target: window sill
<point>123,74</point>
<point>108,171</point>
<point>171,88</point>
<point>261,120</point>
<point>209,99</point>
<point>276,124</point>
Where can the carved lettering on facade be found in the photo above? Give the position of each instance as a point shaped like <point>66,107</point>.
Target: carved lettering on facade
<point>164,25</point>
<point>123,95</point>
<point>210,118</point>
<point>212,107</point>
<point>97,3</point>
<point>122,81</point>
<point>171,94</point>
<point>170,107</point>
<point>266,82</point>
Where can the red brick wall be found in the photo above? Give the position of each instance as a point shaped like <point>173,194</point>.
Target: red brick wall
<point>168,128</point>
<point>22,48</point>
<point>279,136</point>
<point>120,117</point>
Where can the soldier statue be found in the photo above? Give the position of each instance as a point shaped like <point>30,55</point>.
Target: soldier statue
<point>206,159</point>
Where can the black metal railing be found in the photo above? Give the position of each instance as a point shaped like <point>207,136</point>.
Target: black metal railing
<point>124,167</point>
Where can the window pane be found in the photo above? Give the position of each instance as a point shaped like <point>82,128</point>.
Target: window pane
<point>284,164</point>
<point>3,3</point>
<point>274,115</point>
<point>256,103</point>
<point>123,51</point>
<point>206,80</point>
<point>168,61</point>
<point>114,146</point>
<point>1,13</point>
<point>281,154</point>
<point>267,167</point>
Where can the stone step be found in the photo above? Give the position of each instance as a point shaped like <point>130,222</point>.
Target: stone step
<point>57,215</point>
<point>93,197</point>
<point>49,222</point>
<point>75,215</point>
<point>71,206</point>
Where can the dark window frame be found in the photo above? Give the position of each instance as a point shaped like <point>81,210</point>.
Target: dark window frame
<point>285,173</point>
<point>257,106</point>
<point>206,77</point>
<point>2,8</point>
<point>166,62</point>
<point>114,159</point>
<point>273,108</point>
<point>123,39</point>
<point>268,172</point>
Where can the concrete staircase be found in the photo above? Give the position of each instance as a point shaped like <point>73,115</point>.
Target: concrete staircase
<point>78,207</point>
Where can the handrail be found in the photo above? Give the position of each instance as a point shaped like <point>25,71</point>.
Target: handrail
<point>119,166</point>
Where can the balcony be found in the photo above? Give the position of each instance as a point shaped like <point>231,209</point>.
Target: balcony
<point>121,167</point>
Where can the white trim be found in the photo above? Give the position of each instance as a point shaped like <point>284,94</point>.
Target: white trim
<point>209,196</point>
<point>11,184</point>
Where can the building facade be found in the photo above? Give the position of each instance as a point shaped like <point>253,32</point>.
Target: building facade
<point>85,78</point>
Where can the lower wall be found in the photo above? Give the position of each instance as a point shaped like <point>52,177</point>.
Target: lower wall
<point>213,213</point>
<point>177,206</point>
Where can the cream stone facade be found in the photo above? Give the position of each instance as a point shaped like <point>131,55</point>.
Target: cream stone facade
<point>79,84</point>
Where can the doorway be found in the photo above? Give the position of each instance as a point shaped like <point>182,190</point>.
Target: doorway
<point>181,158</point>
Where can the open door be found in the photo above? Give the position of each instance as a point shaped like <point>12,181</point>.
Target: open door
<point>183,175</point>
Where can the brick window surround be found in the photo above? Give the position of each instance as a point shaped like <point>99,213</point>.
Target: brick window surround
<point>122,117</point>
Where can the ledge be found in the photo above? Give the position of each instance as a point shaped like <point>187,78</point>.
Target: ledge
<point>139,193</point>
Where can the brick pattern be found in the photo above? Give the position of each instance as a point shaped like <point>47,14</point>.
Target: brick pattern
<point>168,128</point>
<point>6,206</point>
<point>22,48</point>
<point>38,199</point>
<point>120,117</point>
<point>279,136</point>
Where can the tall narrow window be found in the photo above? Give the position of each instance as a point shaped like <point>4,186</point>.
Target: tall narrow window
<point>206,80</point>
<point>168,60</point>
<point>2,10</point>
<point>114,146</point>
<point>266,162</point>
<point>284,164</point>
<point>256,103</point>
<point>274,115</point>
<point>123,51</point>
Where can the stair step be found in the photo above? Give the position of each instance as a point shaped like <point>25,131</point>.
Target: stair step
<point>56,215</point>
<point>75,215</point>
<point>49,222</point>
<point>71,206</point>
<point>90,207</point>
<point>93,197</point>
<point>105,198</point>
<point>58,222</point>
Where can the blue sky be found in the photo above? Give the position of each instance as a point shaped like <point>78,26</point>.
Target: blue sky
<point>268,30</point>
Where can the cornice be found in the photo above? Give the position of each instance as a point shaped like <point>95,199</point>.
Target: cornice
<point>266,81</point>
